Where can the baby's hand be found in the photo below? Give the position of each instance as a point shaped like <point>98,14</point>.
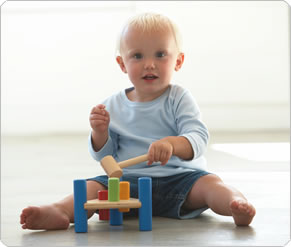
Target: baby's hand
<point>160,150</point>
<point>99,119</point>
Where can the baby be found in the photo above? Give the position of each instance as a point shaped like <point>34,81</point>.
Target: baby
<point>154,117</point>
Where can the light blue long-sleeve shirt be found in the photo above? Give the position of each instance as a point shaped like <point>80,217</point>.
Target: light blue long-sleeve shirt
<point>135,125</point>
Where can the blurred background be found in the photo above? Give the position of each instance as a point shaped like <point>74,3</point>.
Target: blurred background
<point>58,61</point>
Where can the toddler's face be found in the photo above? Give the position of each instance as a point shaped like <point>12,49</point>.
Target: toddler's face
<point>149,58</point>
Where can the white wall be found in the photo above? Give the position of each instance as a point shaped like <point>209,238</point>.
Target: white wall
<point>58,61</point>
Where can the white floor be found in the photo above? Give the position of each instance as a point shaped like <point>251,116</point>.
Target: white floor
<point>40,170</point>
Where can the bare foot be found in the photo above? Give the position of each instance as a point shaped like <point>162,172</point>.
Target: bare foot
<point>242,212</point>
<point>48,217</point>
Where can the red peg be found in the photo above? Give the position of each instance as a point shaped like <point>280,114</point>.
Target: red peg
<point>103,213</point>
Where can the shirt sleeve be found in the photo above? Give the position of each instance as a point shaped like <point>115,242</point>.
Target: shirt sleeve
<point>189,124</point>
<point>108,148</point>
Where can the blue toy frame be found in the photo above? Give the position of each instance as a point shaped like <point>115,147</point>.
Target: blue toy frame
<point>116,217</point>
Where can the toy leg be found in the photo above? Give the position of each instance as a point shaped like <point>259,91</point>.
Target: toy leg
<point>116,217</point>
<point>80,197</point>
<point>103,213</point>
<point>145,197</point>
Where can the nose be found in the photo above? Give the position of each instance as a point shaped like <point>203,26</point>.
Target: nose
<point>149,64</point>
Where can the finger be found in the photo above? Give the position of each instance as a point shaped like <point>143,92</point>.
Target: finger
<point>163,158</point>
<point>166,159</point>
<point>157,156</point>
<point>150,162</point>
<point>150,155</point>
<point>100,109</point>
<point>98,117</point>
<point>98,124</point>
<point>101,106</point>
<point>107,114</point>
<point>95,109</point>
<point>164,163</point>
<point>150,158</point>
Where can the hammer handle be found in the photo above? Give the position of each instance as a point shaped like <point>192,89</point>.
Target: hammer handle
<point>133,161</point>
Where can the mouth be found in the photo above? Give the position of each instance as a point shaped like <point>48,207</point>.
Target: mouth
<point>150,77</point>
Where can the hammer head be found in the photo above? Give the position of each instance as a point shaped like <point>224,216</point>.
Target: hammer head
<point>111,167</point>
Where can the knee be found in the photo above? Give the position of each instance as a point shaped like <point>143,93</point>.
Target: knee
<point>199,191</point>
<point>212,178</point>
<point>206,184</point>
<point>96,186</point>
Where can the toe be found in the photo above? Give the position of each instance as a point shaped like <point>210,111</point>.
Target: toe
<point>252,211</point>
<point>26,211</point>
<point>234,205</point>
<point>243,208</point>
<point>22,218</point>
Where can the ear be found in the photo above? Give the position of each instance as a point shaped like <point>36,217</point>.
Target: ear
<point>180,61</point>
<point>121,64</point>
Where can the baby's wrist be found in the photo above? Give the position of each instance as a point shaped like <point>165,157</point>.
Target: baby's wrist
<point>98,139</point>
<point>170,140</point>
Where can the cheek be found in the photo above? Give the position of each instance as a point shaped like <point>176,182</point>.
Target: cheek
<point>168,67</point>
<point>132,70</point>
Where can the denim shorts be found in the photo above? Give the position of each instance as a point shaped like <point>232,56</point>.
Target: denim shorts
<point>168,193</point>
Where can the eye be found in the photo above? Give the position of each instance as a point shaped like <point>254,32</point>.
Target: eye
<point>160,54</point>
<point>137,55</point>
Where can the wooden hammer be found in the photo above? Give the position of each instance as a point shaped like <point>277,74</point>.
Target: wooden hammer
<point>113,169</point>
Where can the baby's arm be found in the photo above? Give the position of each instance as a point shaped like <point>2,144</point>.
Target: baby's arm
<point>99,121</point>
<point>162,150</point>
<point>192,134</point>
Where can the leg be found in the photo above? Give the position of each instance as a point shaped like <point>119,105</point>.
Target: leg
<point>145,197</point>
<point>57,215</point>
<point>115,217</point>
<point>210,191</point>
<point>80,213</point>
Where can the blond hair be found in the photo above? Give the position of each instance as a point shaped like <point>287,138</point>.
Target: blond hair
<point>147,22</point>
